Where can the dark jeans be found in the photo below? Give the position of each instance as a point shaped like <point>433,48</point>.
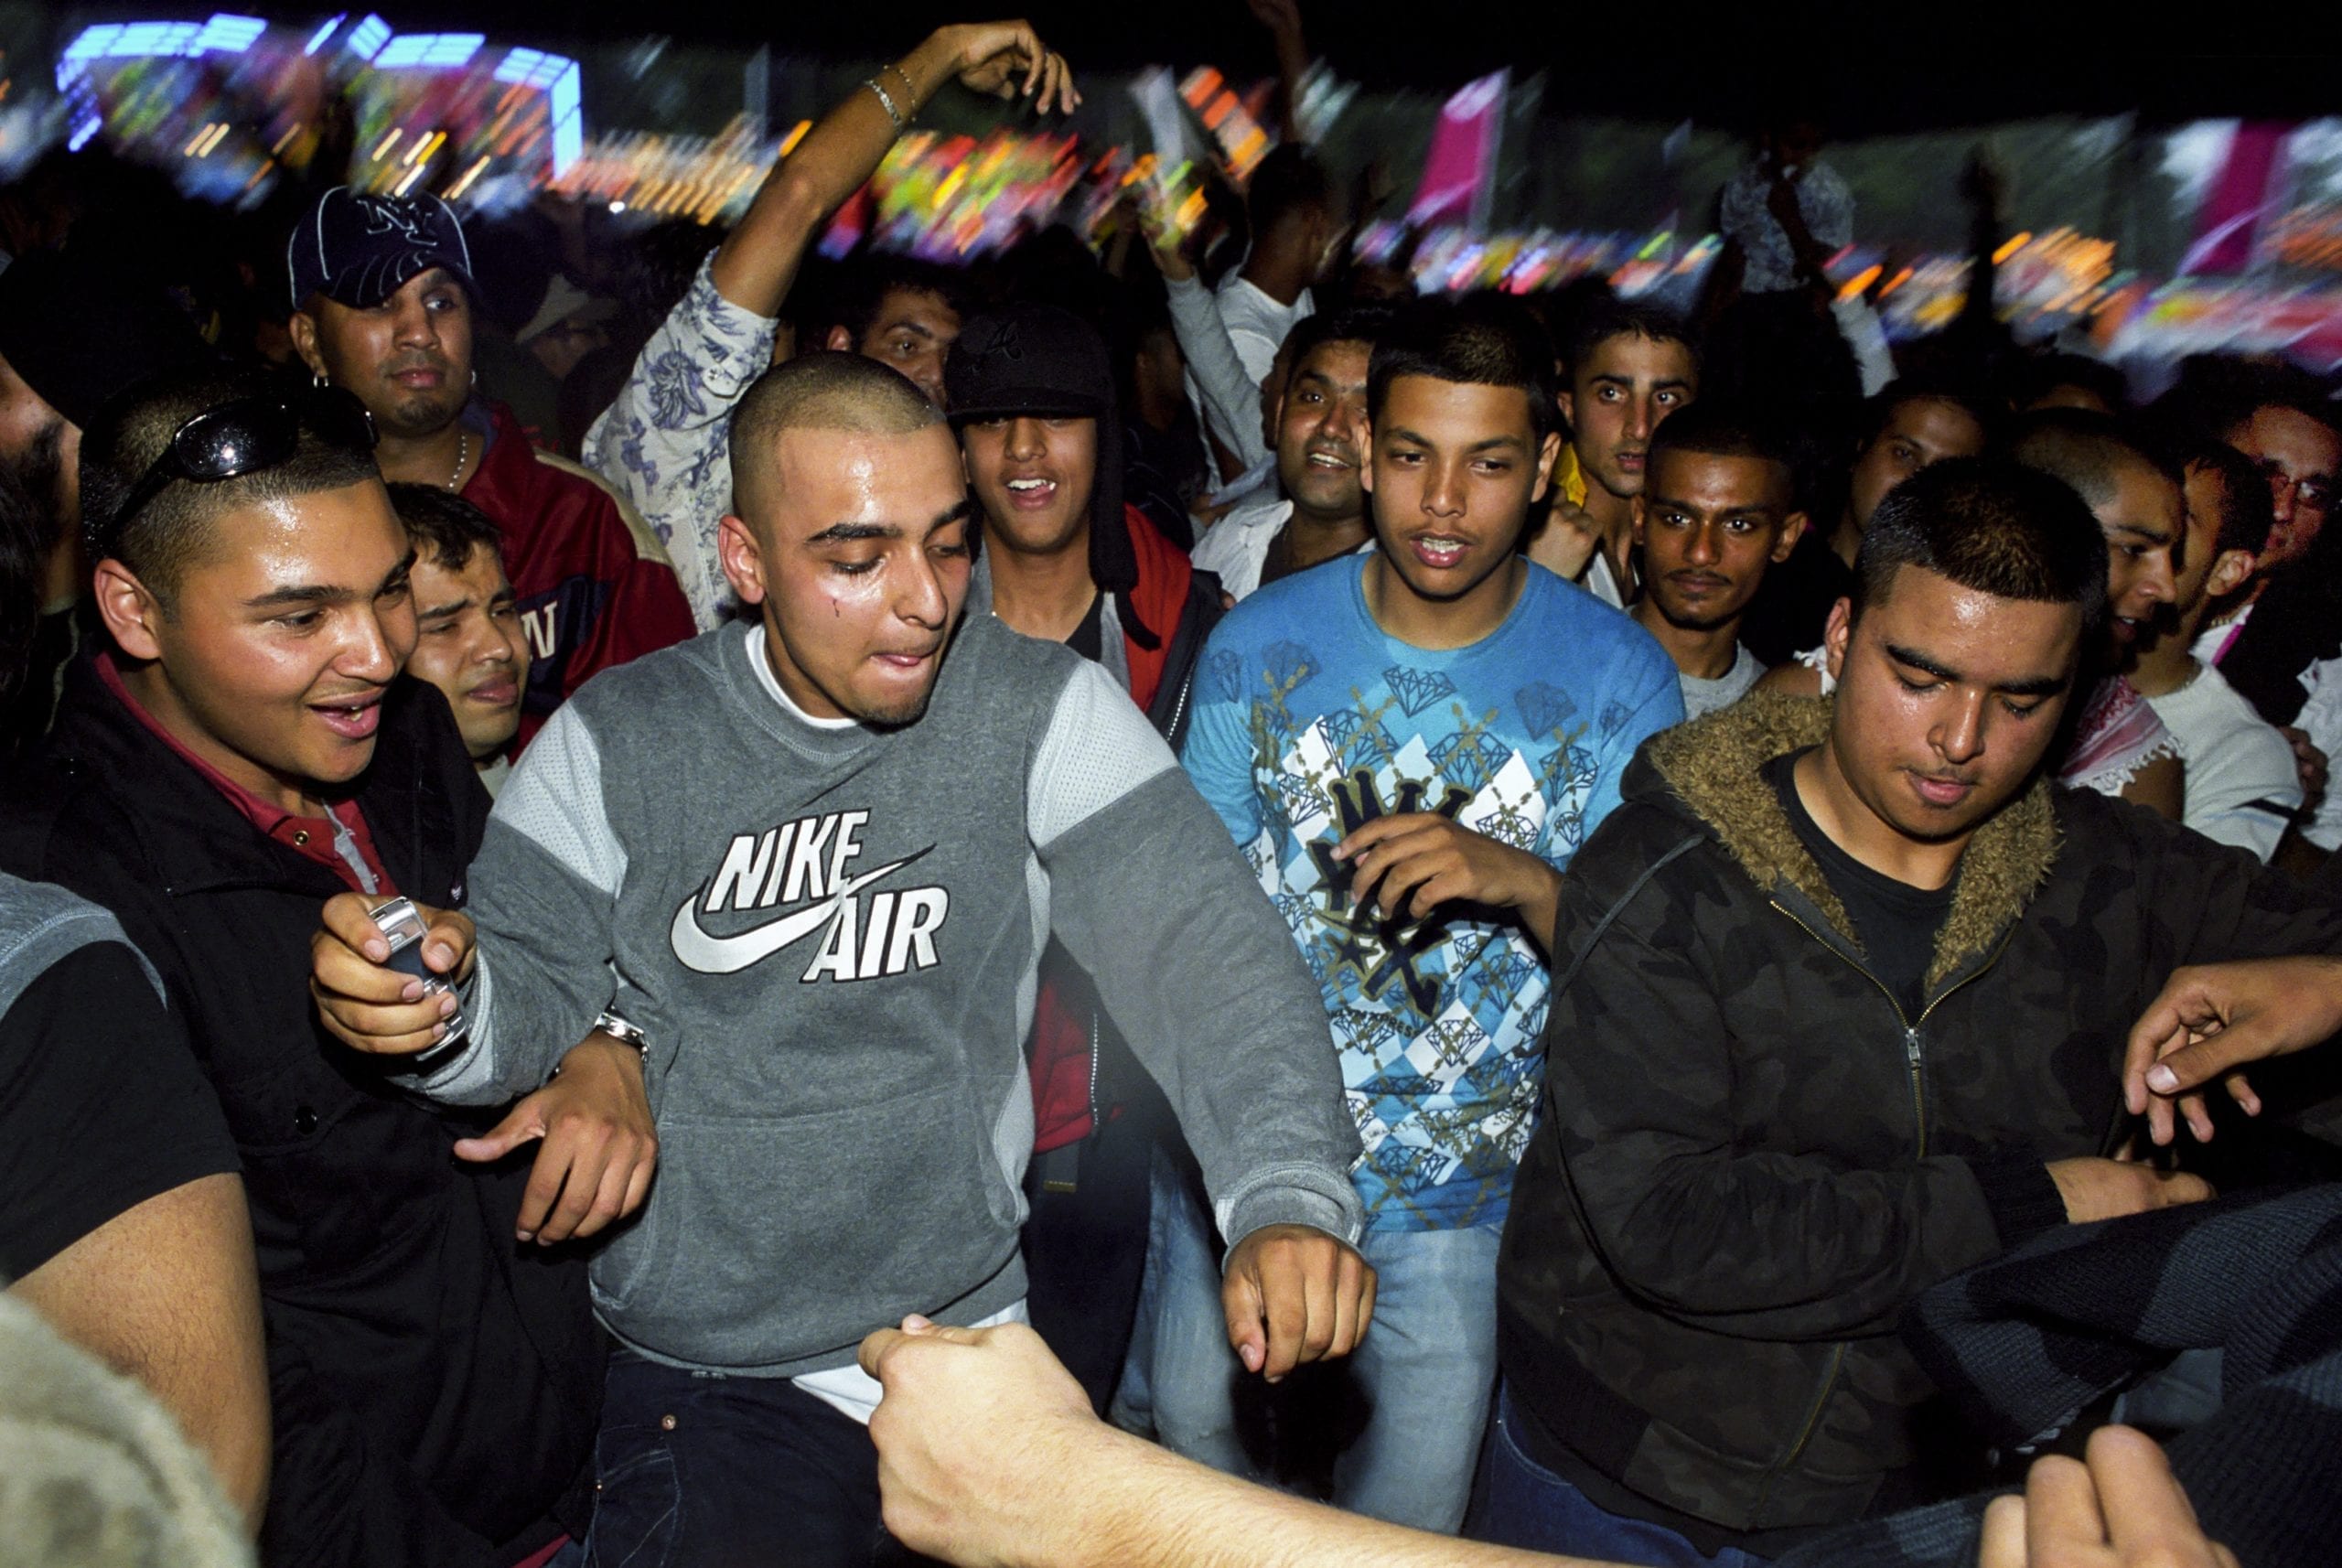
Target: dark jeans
<point>1518,1502</point>
<point>699,1470</point>
<point>1085,1250</point>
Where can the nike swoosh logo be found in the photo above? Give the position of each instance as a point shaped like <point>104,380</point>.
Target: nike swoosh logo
<point>729,955</point>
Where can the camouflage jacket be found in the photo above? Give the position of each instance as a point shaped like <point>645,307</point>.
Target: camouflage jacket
<point>1748,1160</point>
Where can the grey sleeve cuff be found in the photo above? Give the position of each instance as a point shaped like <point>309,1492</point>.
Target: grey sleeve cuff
<point>1308,1195</point>
<point>471,1079</point>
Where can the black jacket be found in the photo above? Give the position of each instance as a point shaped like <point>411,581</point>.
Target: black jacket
<point>1748,1162</point>
<point>435,1386</point>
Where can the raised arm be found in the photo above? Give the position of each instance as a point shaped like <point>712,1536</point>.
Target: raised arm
<point>758,260</point>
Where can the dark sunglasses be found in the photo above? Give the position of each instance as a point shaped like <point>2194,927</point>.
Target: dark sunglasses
<point>249,435</point>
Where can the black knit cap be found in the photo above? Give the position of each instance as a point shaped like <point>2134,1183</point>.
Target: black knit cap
<point>1037,361</point>
<point>79,335</point>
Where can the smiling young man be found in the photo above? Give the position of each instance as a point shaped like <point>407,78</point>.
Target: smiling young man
<point>381,293</point>
<point>1717,512</point>
<point>2132,486</point>
<point>1844,989</point>
<point>1409,746</point>
<point>1067,559</point>
<point>1629,368</point>
<point>468,640</point>
<point>1320,450</point>
<point>243,748</point>
<point>830,952</point>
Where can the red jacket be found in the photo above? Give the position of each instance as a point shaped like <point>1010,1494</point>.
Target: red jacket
<point>1063,1061</point>
<point>595,587</point>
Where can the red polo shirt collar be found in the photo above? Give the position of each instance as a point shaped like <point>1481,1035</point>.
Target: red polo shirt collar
<point>312,837</point>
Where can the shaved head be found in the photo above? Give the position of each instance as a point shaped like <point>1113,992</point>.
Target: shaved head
<point>823,390</point>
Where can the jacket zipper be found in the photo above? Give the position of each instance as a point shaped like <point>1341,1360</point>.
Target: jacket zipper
<point>1179,708</point>
<point>1914,1054</point>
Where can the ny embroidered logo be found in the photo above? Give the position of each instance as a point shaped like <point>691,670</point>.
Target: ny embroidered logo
<point>1380,951</point>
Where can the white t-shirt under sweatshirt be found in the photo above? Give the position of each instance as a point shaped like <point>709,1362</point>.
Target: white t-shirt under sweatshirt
<point>2242,787</point>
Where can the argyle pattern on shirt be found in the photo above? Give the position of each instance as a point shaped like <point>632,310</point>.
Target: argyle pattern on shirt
<point>1312,722</point>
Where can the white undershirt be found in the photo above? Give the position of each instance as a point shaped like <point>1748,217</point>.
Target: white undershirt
<point>772,682</point>
<point>848,1390</point>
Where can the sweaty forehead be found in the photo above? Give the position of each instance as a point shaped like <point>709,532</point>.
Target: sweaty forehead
<point>822,478</point>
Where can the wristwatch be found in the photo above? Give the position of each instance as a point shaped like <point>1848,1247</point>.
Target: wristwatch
<point>618,1029</point>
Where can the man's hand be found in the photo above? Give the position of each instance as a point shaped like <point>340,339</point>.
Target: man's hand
<point>1566,545</point>
<point>1293,1295</point>
<point>1007,59</point>
<point>2210,1019</point>
<point>2109,1189</point>
<point>2123,1508</point>
<point>1409,864</point>
<point>365,1004</point>
<point>980,1438</point>
<point>2310,762</point>
<point>600,1147</point>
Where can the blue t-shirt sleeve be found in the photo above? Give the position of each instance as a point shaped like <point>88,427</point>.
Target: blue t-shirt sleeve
<point>1218,752</point>
<point>1650,700</point>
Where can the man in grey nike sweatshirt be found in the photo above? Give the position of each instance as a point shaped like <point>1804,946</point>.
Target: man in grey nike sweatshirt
<point>826,929</point>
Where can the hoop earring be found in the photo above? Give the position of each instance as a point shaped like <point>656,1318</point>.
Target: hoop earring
<point>317,380</point>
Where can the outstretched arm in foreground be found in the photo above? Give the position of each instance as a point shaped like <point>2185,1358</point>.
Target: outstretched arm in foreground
<point>989,1457</point>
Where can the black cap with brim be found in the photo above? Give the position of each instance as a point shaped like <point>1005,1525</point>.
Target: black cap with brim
<point>359,249</point>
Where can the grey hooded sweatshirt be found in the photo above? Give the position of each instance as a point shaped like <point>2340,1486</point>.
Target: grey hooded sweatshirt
<point>830,937</point>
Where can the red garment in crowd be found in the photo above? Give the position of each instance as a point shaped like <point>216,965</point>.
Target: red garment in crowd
<point>595,588</point>
<point>1062,1061</point>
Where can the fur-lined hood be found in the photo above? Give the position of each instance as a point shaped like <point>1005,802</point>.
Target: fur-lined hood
<point>1712,766</point>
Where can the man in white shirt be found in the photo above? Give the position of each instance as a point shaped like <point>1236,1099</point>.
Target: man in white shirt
<point>1297,220</point>
<point>1320,511</point>
<point>2242,785</point>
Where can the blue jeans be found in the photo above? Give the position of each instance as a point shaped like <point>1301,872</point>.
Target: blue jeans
<point>697,1467</point>
<point>1422,1375</point>
<point>1519,1503</point>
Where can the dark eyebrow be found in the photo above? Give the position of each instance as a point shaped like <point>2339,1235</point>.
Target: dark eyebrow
<point>2033,686</point>
<point>965,510</point>
<point>321,594</point>
<point>920,328</point>
<point>848,532</point>
<point>451,607</point>
<point>2153,536</point>
<point>1402,432</point>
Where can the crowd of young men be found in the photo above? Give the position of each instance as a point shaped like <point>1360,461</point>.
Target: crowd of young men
<point>1390,999</point>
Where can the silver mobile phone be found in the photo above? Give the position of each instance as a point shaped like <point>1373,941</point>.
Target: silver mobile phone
<point>401,925</point>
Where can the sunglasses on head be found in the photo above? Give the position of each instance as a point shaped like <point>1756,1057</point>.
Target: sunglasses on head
<point>249,435</point>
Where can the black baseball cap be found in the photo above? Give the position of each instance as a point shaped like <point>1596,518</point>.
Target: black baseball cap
<point>359,249</point>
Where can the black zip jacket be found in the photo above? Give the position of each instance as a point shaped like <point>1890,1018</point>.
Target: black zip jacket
<point>434,1386</point>
<point>1748,1160</point>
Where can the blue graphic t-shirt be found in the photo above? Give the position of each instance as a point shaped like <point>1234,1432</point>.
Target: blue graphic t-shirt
<point>1310,720</point>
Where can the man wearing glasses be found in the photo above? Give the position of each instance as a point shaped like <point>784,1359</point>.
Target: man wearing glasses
<point>242,746</point>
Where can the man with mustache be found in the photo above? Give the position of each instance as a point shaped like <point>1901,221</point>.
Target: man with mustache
<point>1718,509</point>
<point>382,300</point>
<point>1321,446</point>
<point>468,640</point>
